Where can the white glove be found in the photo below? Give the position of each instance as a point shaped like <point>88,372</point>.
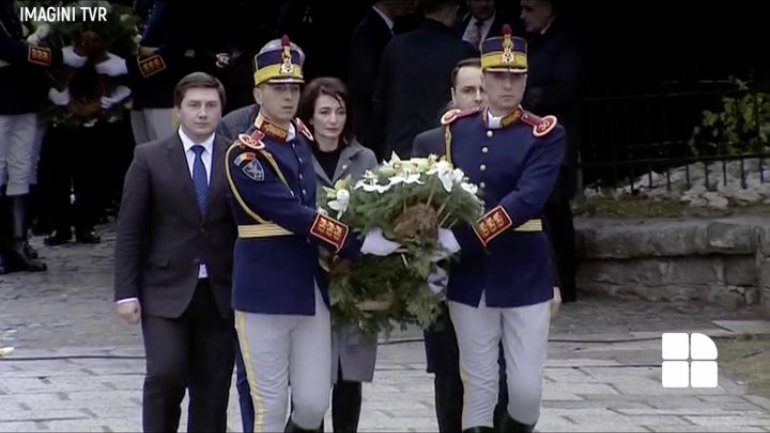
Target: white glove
<point>448,243</point>
<point>438,279</point>
<point>71,58</point>
<point>120,93</point>
<point>113,66</point>
<point>59,98</point>
<point>376,244</point>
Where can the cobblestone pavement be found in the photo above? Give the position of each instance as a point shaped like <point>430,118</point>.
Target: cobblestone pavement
<point>76,367</point>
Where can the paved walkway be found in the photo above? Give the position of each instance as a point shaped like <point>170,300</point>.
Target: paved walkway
<point>76,367</point>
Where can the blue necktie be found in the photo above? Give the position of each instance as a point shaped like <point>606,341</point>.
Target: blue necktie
<point>199,177</point>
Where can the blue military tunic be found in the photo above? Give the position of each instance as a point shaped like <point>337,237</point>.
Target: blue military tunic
<point>23,81</point>
<point>506,255</point>
<point>273,198</point>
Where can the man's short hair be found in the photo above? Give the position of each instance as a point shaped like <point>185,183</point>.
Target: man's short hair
<point>198,80</point>
<point>470,62</point>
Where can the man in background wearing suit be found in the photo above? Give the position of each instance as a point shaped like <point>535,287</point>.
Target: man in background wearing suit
<point>554,86</point>
<point>482,21</point>
<point>367,45</point>
<point>174,258</point>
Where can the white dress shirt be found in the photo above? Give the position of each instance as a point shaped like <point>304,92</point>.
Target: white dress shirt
<point>494,122</point>
<point>470,29</point>
<point>207,156</point>
<point>385,18</point>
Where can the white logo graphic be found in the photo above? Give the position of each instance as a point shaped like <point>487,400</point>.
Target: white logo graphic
<point>689,360</point>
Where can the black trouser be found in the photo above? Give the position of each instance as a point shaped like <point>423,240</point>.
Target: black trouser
<point>192,352</point>
<point>79,160</point>
<point>561,234</point>
<point>443,358</point>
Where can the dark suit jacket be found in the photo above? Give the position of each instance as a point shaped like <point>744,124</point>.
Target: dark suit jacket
<point>367,45</point>
<point>555,86</point>
<point>413,86</point>
<point>161,235</point>
<point>494,31</point>
<point>237,122</point>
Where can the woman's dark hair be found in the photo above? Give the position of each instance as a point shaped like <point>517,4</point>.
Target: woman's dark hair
<point>329,86</point>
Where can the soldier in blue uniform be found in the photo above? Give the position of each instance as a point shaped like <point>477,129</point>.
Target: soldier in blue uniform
<point>23,88</point>
<point>279,289</point>
<point>501,290</point>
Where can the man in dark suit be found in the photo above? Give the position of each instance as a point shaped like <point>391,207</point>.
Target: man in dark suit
<point>367,45</point>
<point>173,263</point>
<point>482,21</point>
<point>413,85</point>
<point>554,87</point>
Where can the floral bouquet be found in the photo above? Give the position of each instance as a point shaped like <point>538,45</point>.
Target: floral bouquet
<point>409,201</point>
<point>118,34</point>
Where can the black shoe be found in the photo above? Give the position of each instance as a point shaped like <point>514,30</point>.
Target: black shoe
<point>87,237</point>
<point>18,260</point>
<point>3,269</point>
<point>294,428</point>
<point>510,425</point>
<point>479,430</point>
<point>58,238</point>
<point>31,252</point>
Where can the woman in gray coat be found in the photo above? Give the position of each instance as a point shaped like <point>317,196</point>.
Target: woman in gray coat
<point>323,107</point>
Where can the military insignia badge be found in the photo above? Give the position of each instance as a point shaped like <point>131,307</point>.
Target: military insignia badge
<point>492,224</point>
<point>151,65</point>
<point>330,230</point>
<point>287,67</point>
<point>39,56</point>
<point>508,57</point>
<point>254,170</point>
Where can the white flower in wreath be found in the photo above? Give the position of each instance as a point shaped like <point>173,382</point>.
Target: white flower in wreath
<point>370,185</point>
<point>443,170</point>
<point>458,176</point>
<point>407,178</point>
<point>469,188</point>
<point>341,202</point>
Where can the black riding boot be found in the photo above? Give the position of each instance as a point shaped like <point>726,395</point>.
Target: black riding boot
<point>18,254</point>
<point>294,428</point>
<point>510,425</point>
<point>479,430</point>
<point>346,406</point>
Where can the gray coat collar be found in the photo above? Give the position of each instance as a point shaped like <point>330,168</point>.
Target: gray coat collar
<point>348,154</point>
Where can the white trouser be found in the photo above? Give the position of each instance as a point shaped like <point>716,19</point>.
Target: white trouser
<point>524,332</point>
<point>151,124</point>
<point>278,349</point>
<point>17,145</point>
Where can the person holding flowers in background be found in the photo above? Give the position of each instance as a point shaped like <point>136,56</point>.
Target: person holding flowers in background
<point>502,287</point>
<point>324,107</point>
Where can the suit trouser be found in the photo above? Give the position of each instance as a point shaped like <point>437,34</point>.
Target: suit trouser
<point>524,333</point>
<point>278,349</point>
<point>17,146</point>
<point>561,235</point>
<point>151,124</point>
<point>193,353</point>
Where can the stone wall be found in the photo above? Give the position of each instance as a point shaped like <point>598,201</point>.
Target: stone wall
<point>720,261</point>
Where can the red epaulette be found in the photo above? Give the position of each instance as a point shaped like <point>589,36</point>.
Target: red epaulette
<point>456,113</point>
<point>541,126</point>
<point>303,129</point>
<point>253,141</point>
